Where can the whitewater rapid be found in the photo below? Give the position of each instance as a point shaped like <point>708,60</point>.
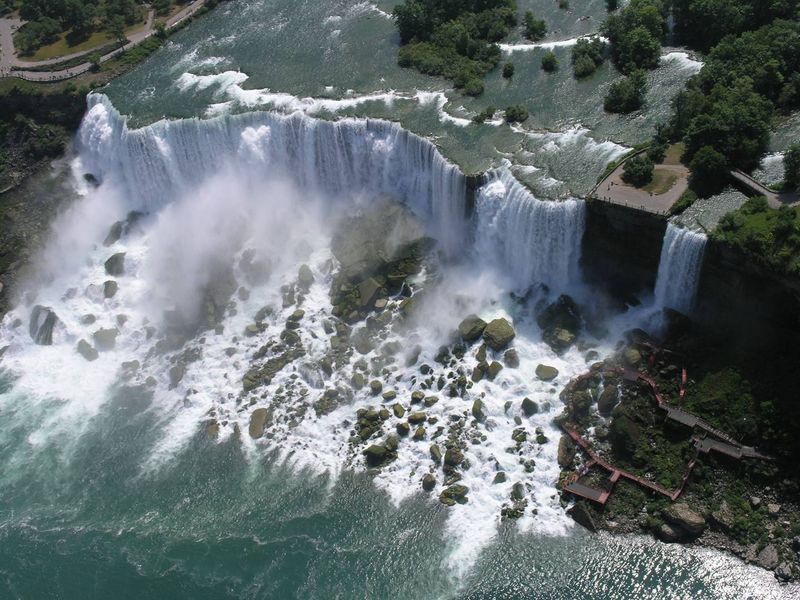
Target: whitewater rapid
<point>679,268</point>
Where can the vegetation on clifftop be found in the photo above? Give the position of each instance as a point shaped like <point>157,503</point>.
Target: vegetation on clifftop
<point>455,40</point>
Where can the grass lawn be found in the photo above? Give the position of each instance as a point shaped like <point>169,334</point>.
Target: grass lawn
<point>662,182</point>
<point>673,155</point>
<point>61,46</point>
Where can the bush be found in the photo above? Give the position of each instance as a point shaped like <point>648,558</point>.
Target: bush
<point>685,201</point>
<point>791,166</point>
<point>550,62</point>
<point>508,70</point>
<point>710,171</point>
<point>535,29</point>
<point>626,95</point>
<point>635,35</point>
<point>484,115</point>
<point>587,55</point>
<point>516,114</point>
<point>611,5</point>
<point>638,171</point>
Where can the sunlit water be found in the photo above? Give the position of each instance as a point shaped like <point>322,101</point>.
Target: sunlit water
<point>111,486</point>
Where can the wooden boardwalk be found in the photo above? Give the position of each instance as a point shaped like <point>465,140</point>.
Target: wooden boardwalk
<point>718,442</point>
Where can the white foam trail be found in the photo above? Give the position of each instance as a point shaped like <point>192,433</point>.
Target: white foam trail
<point>536,241</point>
<point>575,139</point>
<point>528,47</point>
<point>684,59</point>
<point>679,268</point>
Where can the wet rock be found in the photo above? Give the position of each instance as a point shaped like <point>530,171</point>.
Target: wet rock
<point>115,265</point>
<point>454,494</point>
<point>212,429</point>
<point>560,323</point>
<point>436,454</point>
<point>723,517</point>
<point>389,395</point>
<point>430,401</point>
<point>428,482</point>
<point>518,491</point>
<point>477,410</point>
<point>784,572</point>
<point>681,515</point>
<point>499,477</point>
<point>471,328</point>
<point>259,419</point>
<point>773,509</point>
<point>453,457</point>
<point>403,429</point>
<point>110,289</point>
<point>105,339</point>
<point>86,350</point>
<point>375,386</point>
<point>305,278</point>
<point>376,455</point>
<point>768,557</point>
<point>632,357</point>
<point>546,373</point>
<point>358,380</point>
<point>43,322</point>
<point>566,452</point>
<point>398,410</point>
<point>417,397</point>
<point>498,334</point>
<point>511,358</point>
<point>419,434</point>
<point>493,370</point>
<point>529,407</point>
<point>607,400</point>
<point>416,418</point>
<point>176,374</point>
<point>669,533</point>
<point>581,515</point>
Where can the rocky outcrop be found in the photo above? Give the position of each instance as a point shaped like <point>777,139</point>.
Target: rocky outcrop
<point>498,334</point>
<point>471,328</point>
<point>688,521</point>
<point>560,323</point>
<point>86,350</point>
<point>546,372</point>
<point>43,322</point>
<point>115,265</point>
<point>259,419</point>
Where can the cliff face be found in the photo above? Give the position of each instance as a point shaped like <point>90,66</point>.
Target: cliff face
<point>621,248</point>
<point>755,304</point>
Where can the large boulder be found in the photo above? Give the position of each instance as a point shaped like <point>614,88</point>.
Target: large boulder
<point>607,400</point>
<point>546,372</point>
<point>471,328</point>
<point>768,557</point>
<point>115,265</point>
<point>258,421</point>
<point>86,350</point>
<point>560,323</point>
<point>498,334</point>
<point>529,407</point>
<point>305,277</point>
<point>680,515</point>
<point>42,323</point>
<point>105,339</point>
<point>566,452</point>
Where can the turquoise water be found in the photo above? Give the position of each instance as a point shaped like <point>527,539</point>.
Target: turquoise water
<point>113,489</point>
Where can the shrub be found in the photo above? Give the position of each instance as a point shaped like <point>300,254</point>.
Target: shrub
<point>638,171</point>
<point>535,29</point>
<point>550,62</point>
<point>508,70</point>
<point>710,171</point>
<point>516,114</point>
<point>587,55</point>
<point>485,114</point>
<point>685,201</point>
<point>791,166</point>
<point>626,95</point>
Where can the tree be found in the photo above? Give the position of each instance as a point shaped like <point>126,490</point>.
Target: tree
<point>710,171</point>
<point>587,55</point>
<point>508,70</point>
<point>638,171</point>
<point>535,29</point>
<point>791,166</point>
<point>611,5</point>
<point>550,62</point>
<point>635,35</point>
<point>516,113</point>
<point>116,27</point>
<point>626,95</point>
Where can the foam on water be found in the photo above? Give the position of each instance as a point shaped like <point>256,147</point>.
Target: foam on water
<point>527,47</point>
<point>275,185</point>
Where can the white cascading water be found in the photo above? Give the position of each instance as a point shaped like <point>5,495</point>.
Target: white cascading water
<point>536,241</point>
<point>679,268</point>
<point>348,156</point>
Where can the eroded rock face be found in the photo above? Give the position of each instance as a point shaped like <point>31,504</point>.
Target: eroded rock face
<point>560,323</point>
<point>498,334</point>
<point>258,422</point>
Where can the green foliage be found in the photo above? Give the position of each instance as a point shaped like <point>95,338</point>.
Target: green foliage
<point>791,166</point>
<point>685,201</point>
<point>770,237</point>
<point>636,34</point>
<point>535,29</point>
<point>516,113</point>
<point>35,34</point>
<point>508,70</point>
<point>563,4</point>
<point>484,115</point>
<point>587,55</point>
<point>612,5</point>
<point>455,40</point>
<point>626,95</point>
<point>710,171</point>
<point>550,62</point>
<point>638,171</point>
<point>724,398</point>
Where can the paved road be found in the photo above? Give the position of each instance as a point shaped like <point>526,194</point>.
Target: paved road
<point>774,199</point>
<point>9,63</point>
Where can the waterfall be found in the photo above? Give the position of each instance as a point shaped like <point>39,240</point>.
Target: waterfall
<point>345,157</point>
<point>679,268</point>
<point>536,241</point>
